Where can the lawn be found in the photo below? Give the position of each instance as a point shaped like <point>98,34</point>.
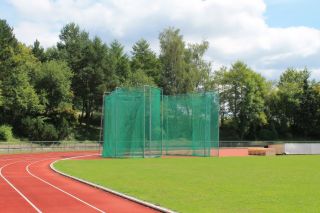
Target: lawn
<point>234,184</point>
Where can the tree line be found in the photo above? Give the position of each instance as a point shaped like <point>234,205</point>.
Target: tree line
<point>56,93</point>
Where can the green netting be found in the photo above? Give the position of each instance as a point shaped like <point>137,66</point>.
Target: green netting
<point>132,123</point>
<point>140,122</point>
<point>191,124</point>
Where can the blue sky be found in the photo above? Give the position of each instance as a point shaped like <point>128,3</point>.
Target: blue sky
<point>269,35</point>
<point>286,13</point>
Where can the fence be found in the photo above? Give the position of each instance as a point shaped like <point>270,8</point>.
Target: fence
<point>47,146</point>
<point>234,144</point>
<point>132,123</point>
<point>191,124</point>
<point>141,122</point>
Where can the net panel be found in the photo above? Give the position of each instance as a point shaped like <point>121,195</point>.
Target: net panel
<point>191,124</point>
<point>141,122</point>
<point>132,124</point>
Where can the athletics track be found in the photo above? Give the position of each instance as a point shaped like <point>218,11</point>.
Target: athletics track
<point>27,184</point>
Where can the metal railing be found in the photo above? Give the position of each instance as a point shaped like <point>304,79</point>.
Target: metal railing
<point>48,146</point>
<point>55,146</point>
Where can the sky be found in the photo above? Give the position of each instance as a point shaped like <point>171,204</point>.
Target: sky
<point>268,35</point>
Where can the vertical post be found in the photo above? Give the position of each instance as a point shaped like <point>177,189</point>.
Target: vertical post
<point>101,124</point>
<point>167,129</point>
<point>217,107</point>
<point>116,127</point>
<point>150,119</point>
<point>161,124</point>
<point>207,129</point>
<point>144,120</point>
<point>210,118</point>
<point>193,113</point>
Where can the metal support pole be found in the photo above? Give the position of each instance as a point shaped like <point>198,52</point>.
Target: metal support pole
<point>217,107</point>
<point>101,123</point>
<point>194,140</point>
<point>150,119</point>
<point>144,120</point>
<point>206,127</point>
<point>162,126</point>
<point>116,127</point>
<point>167,129</point>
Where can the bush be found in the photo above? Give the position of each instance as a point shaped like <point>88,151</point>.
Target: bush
<point>64,129</point>
<point>228,134</point>
<point>63,121</point>
<point>38,129</point>
<point>267,134</point>
<point>5,133</point>
<point>49,133</point>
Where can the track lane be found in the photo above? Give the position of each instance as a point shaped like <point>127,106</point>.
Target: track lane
<point>59,189</point>
<point>9,198</point>
<point>102,200</point>
<point>45,198</point>
<point>50,192</point>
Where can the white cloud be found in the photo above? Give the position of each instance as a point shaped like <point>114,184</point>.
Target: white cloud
<point>28,32</point>
<point>235,29</point>
<point>315,73</point>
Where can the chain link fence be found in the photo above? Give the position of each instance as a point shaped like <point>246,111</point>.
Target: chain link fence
<point>48,146</point>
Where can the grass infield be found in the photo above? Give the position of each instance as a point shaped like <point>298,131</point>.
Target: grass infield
<point>233,184</point>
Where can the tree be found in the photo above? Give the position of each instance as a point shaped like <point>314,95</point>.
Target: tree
<point>1,97</point>
<point>218,83</point>
<point>17,69</point>
<point>8,48</point>
<point>88,61</point>
<point>172,49</point>
<point>38,51</point>
<point>93,77</point>
<point>52,53</point>
<point>118,64</point>
<point>53,83</point>
<point>183,68</point>
<point>19,96</point>
<point>18,92</point>
<point>308,112</point>
<point>145,60</point>
<point>245,94</point>
<point>197,74</point>
<point>138,78</point>
<point>290,89</point>
<point>72,45</point>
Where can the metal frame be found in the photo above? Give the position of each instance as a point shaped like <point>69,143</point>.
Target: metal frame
<point>147,150</point>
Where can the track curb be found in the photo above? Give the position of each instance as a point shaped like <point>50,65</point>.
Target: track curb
<point>144,203</point>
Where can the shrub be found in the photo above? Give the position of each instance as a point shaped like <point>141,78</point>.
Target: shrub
<point>38,129</point>
<point>63,121</point>
<point>64,129</point>
<point>49,132</point>
<point>267,134</point>
<point>5,133</point>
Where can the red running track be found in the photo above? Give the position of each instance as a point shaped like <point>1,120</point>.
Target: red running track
<point>232,152</point>
<point>27,184</point>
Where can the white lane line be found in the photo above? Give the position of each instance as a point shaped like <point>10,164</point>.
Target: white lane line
<point>17,190</point>
<point>121,195</point>
<point>61,190</point>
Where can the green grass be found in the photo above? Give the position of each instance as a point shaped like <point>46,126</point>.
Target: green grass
<point>235,184</point>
